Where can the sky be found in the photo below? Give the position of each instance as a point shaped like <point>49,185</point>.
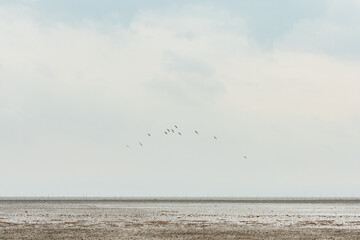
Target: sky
<point>276,81</point>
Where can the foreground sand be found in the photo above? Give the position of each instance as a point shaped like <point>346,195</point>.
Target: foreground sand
<point>178,221</point>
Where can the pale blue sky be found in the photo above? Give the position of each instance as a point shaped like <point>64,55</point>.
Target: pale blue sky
<point>265,20</point>
<point>274,80</point>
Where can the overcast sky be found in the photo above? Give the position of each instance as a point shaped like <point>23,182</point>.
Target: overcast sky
<point>277,81</point>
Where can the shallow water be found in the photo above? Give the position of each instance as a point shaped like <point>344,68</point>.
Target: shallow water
<point>150,217</point>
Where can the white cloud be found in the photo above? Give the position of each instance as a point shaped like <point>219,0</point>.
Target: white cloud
<point>75,91</point>
<point>333,33</point>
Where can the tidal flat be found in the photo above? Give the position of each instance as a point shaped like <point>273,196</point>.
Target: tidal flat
<point>178,220</point>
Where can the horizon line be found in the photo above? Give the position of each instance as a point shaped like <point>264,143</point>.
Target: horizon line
<point>181,199</point>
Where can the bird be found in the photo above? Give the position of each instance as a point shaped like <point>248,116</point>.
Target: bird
<point>149,134</point>
<point>179,133</point>
<point>140,144</point>
<point>127,146</point>
<point>166,132</point>
<point>196,132</point>
<point>172,130</point>
<point>215,137</point>
<point>245,157</point>
<point>176,126</point>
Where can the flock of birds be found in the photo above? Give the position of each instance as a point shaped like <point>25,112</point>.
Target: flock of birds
<point>169,131</point>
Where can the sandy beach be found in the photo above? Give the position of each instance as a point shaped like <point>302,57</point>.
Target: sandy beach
<point>177,220</point>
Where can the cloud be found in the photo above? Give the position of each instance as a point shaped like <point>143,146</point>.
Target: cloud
<point>72,96</point>
<point>333,33</point>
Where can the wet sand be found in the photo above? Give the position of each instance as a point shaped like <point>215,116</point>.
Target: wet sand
<point>177,220</point>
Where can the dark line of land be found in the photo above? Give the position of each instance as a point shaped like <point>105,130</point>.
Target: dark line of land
<point>346,200</point>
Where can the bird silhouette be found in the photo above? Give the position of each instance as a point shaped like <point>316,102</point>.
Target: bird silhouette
<point>179,133</point>
<point>140,144</point>
<point>176,126</point>
<point>149,135</point>
<point>245,157</point>
<point>215,137</point>
<point>172,130</point>
<point>166,132</point>
<point>196,132</point>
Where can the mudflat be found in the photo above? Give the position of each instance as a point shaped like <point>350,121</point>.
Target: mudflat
<point>177,220</point>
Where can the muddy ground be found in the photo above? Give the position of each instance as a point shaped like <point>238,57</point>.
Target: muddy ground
<point>178,221</point>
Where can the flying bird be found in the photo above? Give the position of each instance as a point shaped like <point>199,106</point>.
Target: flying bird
<point>179,133</point>
<point>215,137</point>
<point>172,130</point>
<point>196,132</point>
<point>166,132</point>
<point>245,157</point>
<point>140,144</point>
<point>149,135</point>
<point>176,126</point>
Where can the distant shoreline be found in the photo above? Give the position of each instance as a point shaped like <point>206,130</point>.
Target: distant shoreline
<point>186,199</point>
